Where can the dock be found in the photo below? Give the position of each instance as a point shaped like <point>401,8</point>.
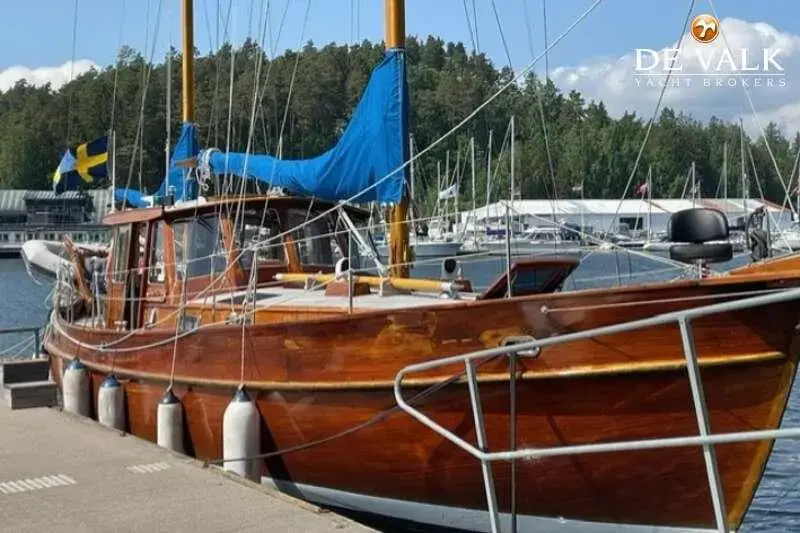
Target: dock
<point>62,473</point>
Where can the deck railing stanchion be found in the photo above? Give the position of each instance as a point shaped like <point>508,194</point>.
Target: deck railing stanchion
<point>705,438</point>
<point>480,435</point>
<point>512,412</point>
<point>37,350</point>
<point>701,410</point>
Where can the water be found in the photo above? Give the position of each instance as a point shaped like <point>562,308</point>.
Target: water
<point>777,503</point>
<point>23,302</point>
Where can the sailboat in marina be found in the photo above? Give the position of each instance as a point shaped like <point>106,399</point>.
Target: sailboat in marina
<point>209,299</point>
<point>431,238</point>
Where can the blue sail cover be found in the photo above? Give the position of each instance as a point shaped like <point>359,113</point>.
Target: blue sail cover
<point>132,197</point>
<point>374,144</point>
<point>177,175</point>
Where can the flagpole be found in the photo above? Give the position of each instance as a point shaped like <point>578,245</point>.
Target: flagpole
<point>580,235</point>
<point>113,170</point>
<point>649,203</point>
<point>474,216</point>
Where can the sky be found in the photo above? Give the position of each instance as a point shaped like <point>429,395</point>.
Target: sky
<point>597,58</point>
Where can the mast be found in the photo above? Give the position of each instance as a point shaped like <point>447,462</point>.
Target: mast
<point>649,202</point>
<point>398,245</point>
<point>169,108</point>
<point>474,218</point>
<point>725,175</point>
<point>488,183</point>
<point>512,173</point>
<point>744,172</point>
<point>187,65</point>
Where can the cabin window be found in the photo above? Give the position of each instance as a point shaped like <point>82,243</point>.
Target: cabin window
<point>199,250</point>
<point>157,262</point>
<point>259,229</point>
<point>122,242</point>
<point>312,237</point>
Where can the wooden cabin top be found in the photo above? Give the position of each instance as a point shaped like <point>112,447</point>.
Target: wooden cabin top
<point>166,254</point>
<point>213,204</point>
<point>210,255</point>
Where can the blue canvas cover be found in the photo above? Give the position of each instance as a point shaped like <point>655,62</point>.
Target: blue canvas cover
<point>186,149</point>
<point>130,196</point>
<point>185,186</point>
<point>374,144</point>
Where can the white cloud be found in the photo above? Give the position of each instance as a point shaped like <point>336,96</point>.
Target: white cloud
<point>708,82</point>
<point>55,76</point>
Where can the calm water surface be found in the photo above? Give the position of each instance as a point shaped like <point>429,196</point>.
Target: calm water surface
<point>777,504</point>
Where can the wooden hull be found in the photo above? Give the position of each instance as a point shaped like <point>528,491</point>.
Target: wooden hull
<point>320,377</point>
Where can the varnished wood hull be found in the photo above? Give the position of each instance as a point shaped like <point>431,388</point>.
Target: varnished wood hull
<point>317,378</point>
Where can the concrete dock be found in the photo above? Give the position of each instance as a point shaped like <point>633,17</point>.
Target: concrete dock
<point>63,473</point>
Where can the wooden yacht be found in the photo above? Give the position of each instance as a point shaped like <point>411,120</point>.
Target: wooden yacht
<point>281,295</point>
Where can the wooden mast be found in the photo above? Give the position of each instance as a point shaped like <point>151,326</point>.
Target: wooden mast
<point>398,241</point>
<point>187,67</point>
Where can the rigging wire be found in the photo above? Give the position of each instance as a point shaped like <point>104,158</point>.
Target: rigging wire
<point>755,114</point>
<point>72,69</point>
<point>763,199</point>
<point>116,68</point>
<point>475,21</point>
<point>654,115</point>
<point>279,236</point>
<point>539,95</point>
<point>147,68</point>
<point>469,25</point>
<point>544,32</point>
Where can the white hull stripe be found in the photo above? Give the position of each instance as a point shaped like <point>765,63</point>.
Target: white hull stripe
<point>457,517</point>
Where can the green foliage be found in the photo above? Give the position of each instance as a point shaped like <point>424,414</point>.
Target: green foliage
<point>447,83</point>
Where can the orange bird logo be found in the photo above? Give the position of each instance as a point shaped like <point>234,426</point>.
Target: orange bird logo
<point>705,28</point>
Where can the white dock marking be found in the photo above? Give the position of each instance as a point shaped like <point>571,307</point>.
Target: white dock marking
<point>36,483</point>
<point>148,468</point>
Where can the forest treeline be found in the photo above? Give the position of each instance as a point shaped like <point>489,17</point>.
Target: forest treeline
<point>586,145</point>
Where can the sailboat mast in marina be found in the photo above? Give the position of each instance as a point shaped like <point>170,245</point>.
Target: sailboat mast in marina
<point>276,307</point>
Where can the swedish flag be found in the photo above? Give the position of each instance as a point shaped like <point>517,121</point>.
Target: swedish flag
<point>82,164</point>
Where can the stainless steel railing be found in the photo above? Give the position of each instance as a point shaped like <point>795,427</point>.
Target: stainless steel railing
<point>704,438</point>
<point>37,336</point>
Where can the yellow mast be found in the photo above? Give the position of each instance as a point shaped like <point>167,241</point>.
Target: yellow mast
<point>187,68</point>
<point>398,238</point>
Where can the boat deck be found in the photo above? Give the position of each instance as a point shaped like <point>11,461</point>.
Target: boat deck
<point>60,472</point>
<point>291,297</point>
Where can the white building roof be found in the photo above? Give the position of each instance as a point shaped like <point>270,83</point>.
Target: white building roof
<point>624,208</point>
